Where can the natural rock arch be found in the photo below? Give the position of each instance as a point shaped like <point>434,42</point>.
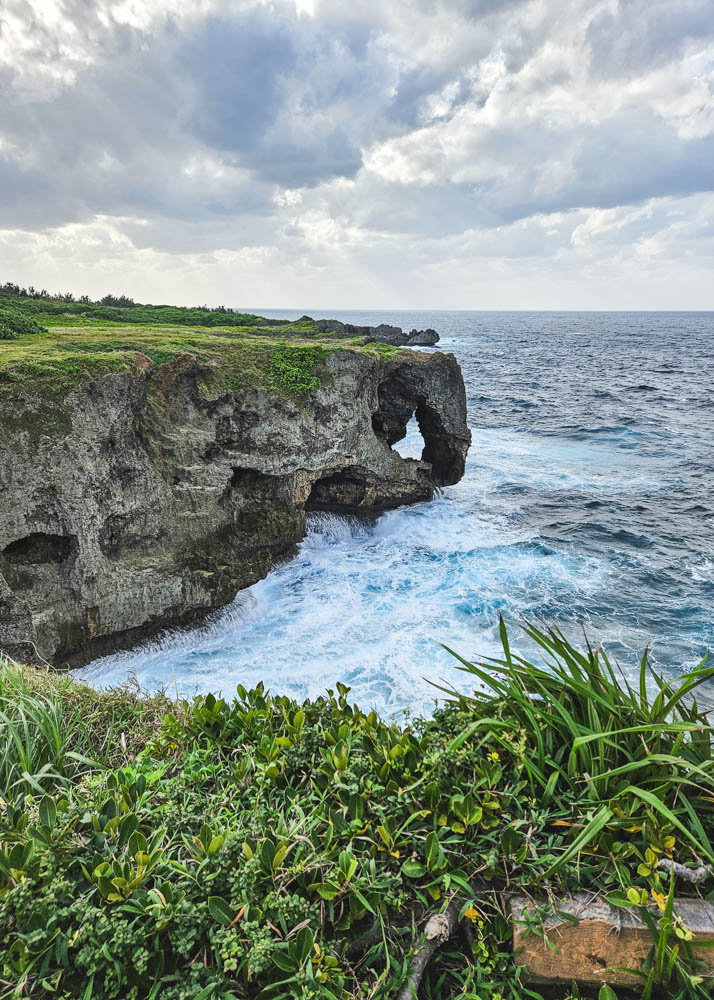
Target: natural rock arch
<point>440,420</point>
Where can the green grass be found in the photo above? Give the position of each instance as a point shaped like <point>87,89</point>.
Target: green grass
<point>49,346</point>
<point>53,730</point>
<point>52,362</point>
<point>263,848</point>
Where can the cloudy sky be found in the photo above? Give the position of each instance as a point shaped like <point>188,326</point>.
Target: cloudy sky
<point>344,153</point>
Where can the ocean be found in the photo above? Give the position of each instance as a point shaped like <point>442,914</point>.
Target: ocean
<point>588,503</point>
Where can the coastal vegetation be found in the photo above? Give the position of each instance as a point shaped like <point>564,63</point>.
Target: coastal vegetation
<point>230,358</point>
<point>13,323</point>
<point>257,847</point>
<point>64,309</point>
<point>52,344</point>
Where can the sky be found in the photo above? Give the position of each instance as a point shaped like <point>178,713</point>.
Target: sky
<point>424,154</point>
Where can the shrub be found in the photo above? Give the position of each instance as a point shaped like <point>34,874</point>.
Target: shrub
<point>292,368</point>
<point>13,322</point>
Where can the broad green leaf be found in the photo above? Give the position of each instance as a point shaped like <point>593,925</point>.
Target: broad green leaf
<point>220,910</point>
<point>431,851</point>
<point>48,812</point>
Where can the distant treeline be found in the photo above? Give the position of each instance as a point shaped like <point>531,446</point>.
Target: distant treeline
<point>121,309</point>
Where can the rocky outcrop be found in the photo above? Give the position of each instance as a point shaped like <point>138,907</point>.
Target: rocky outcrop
<point>422,338</point>
<point>145,498</point>
<point>383,334</point>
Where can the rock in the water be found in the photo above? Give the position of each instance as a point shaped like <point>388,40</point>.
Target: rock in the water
<point>141,499</point>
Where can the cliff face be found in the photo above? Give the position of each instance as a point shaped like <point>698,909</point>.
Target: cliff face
<point>144,498</point>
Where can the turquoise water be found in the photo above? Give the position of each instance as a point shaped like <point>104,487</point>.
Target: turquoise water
<point>588,500</point>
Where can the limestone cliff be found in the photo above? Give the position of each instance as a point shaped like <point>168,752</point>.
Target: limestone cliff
<point>147,497</point>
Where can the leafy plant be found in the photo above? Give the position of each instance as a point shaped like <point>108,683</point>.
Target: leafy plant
<point>13,322</point>
<point>257,847</point>
<point>35,737</point>
<point>292,368</point>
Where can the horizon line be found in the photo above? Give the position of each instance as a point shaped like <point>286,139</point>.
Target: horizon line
<point>442,310</point>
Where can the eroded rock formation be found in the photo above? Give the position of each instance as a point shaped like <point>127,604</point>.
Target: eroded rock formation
<point>144,499</point>
<point>382,334</point>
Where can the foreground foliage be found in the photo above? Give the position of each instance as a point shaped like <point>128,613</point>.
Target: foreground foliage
<point>263,848</point>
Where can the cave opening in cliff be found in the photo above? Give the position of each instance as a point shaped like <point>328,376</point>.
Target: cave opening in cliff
<point>344,489</point>
<point>39,547</point>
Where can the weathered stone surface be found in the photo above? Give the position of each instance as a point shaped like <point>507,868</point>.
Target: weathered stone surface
<point>16,628</point>
<point>382,334</point>
<point>425,338</point>
<point>605,943</point>
<point>142,499</point>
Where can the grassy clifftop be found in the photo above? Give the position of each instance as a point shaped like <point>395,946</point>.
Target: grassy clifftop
<point>237,357</point>
<point>263,848</point>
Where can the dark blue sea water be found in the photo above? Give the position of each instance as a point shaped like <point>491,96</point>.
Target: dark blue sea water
<point>588,499</point>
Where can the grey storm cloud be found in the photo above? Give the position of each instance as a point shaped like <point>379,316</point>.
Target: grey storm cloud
<point>252,123</point>
<point>645,33</point>
<point>267,91</point>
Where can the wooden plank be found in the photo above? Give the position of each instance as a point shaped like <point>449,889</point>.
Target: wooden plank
<point>605,940</point>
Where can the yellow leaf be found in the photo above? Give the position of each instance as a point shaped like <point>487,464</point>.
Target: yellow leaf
<point>659,899</point>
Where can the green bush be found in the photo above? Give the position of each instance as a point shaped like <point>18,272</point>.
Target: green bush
<point>292,368</point>
<point>13,323</point>
<point>264,848</point>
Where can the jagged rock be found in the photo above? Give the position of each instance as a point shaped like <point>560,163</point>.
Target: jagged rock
<point>140,499</point>
<point>426,338</point>
<point>383,334</point>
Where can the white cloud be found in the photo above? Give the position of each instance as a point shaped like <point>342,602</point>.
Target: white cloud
<point>300,145</point>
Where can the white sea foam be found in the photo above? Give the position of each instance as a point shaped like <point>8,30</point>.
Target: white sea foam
<point>367,604</point>
<point>703,571</point>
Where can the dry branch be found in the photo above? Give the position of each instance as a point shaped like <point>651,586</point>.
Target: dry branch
<point>437,931</point>
<point>686,874</point>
